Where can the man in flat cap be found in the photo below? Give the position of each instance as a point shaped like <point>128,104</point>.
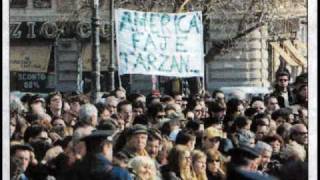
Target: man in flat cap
<point>96,164</point>
<point>136,142</point>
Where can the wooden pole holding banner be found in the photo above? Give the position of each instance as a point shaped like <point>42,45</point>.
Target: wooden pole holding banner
<point>96,59</point>
<point>112,54</point>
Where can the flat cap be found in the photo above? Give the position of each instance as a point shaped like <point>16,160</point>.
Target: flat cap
<point>138,129</point>
<point>99,135</point>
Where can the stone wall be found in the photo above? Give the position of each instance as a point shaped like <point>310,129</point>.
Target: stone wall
<point>246,64</point>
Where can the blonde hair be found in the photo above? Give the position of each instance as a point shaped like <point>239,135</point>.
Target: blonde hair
<point>178,152</point>
<point>196,155</point>
<point>139,161</point>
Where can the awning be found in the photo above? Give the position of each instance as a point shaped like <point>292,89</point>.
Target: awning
<point>295,53</point>
<point>33,58</point>
<point>276,47</point>
<point>104,53</point>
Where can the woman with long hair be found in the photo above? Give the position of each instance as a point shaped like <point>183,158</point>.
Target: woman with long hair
<point>199,160</point>
<point>215,165</point>
<point>179,165</point>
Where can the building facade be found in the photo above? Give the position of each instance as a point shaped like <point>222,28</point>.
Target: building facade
<point>36,27</point>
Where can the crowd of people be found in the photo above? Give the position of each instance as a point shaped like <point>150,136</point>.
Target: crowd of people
<point>204,136</point>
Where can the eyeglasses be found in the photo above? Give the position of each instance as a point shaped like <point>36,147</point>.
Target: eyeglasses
<point>188,157</point>
<point>302,133</point>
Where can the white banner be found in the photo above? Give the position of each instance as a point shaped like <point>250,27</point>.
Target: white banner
<point>163,44</point>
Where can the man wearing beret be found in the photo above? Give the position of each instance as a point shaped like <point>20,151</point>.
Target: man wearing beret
<point>97,163</point>
<point>136,142</point>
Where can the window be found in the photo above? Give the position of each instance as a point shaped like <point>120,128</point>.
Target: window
<point>18,3</point>
<point>42,3</point>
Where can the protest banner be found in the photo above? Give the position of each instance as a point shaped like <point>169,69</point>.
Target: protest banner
<point>164,44</point>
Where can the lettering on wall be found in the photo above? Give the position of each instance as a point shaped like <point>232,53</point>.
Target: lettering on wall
<point>50,30</point>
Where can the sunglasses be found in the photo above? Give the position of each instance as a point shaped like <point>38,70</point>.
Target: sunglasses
<point>213,160</point>
<point>214,140</point>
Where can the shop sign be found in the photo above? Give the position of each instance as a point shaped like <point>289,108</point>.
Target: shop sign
<point>51,30</point>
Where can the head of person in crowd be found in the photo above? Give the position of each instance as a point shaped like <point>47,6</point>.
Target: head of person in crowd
<point>186,137</point>
<point>120,159</point>
<point>240,95</point>
<point>36,104</point>
<point>215,122</point>
<point>103,112</point>
<point>167,99</point>
<point>54,104</point>
<point>218,95</point>
<point>241,123</point>
<point>16,106</point>
<point>217,109</point>
<point>244,137</point>
<point>265,151</point>
<point>156,112</point>
<point>283,115</point>
<point>211,138</point>
<point>16,168</point>
<point>293,152</point>
<point>302,116</point>
<point>18,125</point>
<point>170,109</point>
<point>88,115</point>
<point>179,163</point>
<point>99,141</point>
<point>302,95</point>
<point>301,80</point>
<point>143,167</point>
<point>275,141</point>
<point>235,107</point>
<point>215,165</point>
<point>199,164</point>
<point>120,93</point>
<point>136,141</point>
<point>178,99</point>
<point>244,159</point>
<point>153,97</point>
<point>25,100</point>
<point>299,134</point>
<point>260,125</point>
<point>154,143</point>
<point>22,152</point>
<point>207,97</point>
<point>37,136</point>
<point>271,103</point>
<point>124,110</point>
<point>138,108</point>
<point>282,80</point>
<point>58,126</point>
<point>112,103</point>
<point>258,104</point>
<point>76,101</point>
<point>136,97</point>
<point>198,111</point>
<point>284,131</point>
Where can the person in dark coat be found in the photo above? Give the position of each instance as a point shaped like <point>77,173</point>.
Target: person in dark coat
<point>96,164</point>
<point>243,165</point>
<point>282,91</point>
